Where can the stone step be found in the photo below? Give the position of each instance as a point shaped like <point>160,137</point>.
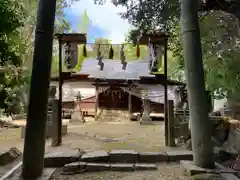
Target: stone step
<point>78,167</point>
<point>57,159</point>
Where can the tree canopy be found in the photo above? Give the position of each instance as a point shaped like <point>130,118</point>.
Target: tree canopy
<point>219,24</point>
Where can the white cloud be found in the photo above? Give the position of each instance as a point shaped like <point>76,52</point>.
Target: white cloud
<point>105,17</point>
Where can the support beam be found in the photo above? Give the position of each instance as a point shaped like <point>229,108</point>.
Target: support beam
<point>171,136</point>
<point>34,143</point>
<point>165,93</point>
<point>130,103</point>
<point>200,124</point>
<point>97,102</point>
<point>60,84</point>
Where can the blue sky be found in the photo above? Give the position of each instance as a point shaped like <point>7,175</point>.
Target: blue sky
<point>105,20</point>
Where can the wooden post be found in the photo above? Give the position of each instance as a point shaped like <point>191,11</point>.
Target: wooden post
<point>97,102</point>
<point>165,93</point>
<point>60,83</point>
<point>55,123</point>
<point>34,143</point>
<point>130,104</point>
<point>171,136</point>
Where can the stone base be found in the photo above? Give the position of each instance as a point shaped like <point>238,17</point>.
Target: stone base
<point>58,159</point>
<point>125,156</point>
<point>48,131</point>
<point>191,169</point>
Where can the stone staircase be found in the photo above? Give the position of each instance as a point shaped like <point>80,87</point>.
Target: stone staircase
<point>108,115</point>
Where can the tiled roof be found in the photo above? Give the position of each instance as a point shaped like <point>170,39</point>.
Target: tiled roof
<point>113,69</point>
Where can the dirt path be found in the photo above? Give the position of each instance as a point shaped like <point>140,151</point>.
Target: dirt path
<point>164,172</point>
<point>105,136</point>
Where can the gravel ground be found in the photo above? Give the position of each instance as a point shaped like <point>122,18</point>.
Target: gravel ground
<point>105,136</point>
<point>164,172</point>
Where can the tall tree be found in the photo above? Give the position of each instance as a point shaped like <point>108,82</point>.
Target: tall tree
<point>12,16</point>
<point>200,129</point>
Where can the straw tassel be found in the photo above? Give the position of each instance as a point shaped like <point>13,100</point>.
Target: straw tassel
<point>84,50</point>
<point>111,53</point>
<point>138,51</point>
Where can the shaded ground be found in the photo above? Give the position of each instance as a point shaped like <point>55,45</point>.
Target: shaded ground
<point>164,172</point>
<point>106,136</point>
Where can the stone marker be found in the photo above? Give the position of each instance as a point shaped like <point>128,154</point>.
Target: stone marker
<point>179,155</point>
<point>122,167</point>
<point>57,159</point>
<point>153,157</point>
<point>96,167</point>
<point>74,167</point>
<point>95,156</point>
<point>139,166</point>
<point>126,156</point>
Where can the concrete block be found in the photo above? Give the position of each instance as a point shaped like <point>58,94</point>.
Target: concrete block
<point>179,155</point>
<point>58,159</point>
<point>139,166</point>
<point>97,167</point>
<point>122,167</point>
<point>126,156</point>
<point>95,156</point>
<point>153,157</point>
<point>74,167</point>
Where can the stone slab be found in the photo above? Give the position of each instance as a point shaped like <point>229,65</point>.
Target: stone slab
<point>139,166</point>
<point>60,158</point>
<point>227,176</point>
<point>122,167</point>
<point>9,155</point>
<point>46,175</point>
<point>191,169</point>
<point>97,167</point>
<point>153,157</point>
<point>125,156</point>
<point>95,156</point>
<point>206,176</point>
<point>75,167</point>
<point>179,155</point>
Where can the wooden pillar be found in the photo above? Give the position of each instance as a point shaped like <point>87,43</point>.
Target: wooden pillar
<point>130,103</point>
<point>55,123</point>
<point>60,84</point>
<point>165,93</point>
<point>34,142</point>
<point>97,102</point>
<point>171,136</point>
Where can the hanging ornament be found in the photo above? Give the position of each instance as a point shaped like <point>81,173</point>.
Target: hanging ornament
<point>84,50</point>
<point>138,51</point>
<point>111,53</point>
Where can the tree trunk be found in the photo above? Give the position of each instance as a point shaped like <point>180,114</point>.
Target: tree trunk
<point>200,124</point>
<point>34,145</point>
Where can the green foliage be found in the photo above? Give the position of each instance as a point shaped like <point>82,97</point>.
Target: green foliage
<point>84,23</point>
<point>219,36</point>
<point>12,17</point>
